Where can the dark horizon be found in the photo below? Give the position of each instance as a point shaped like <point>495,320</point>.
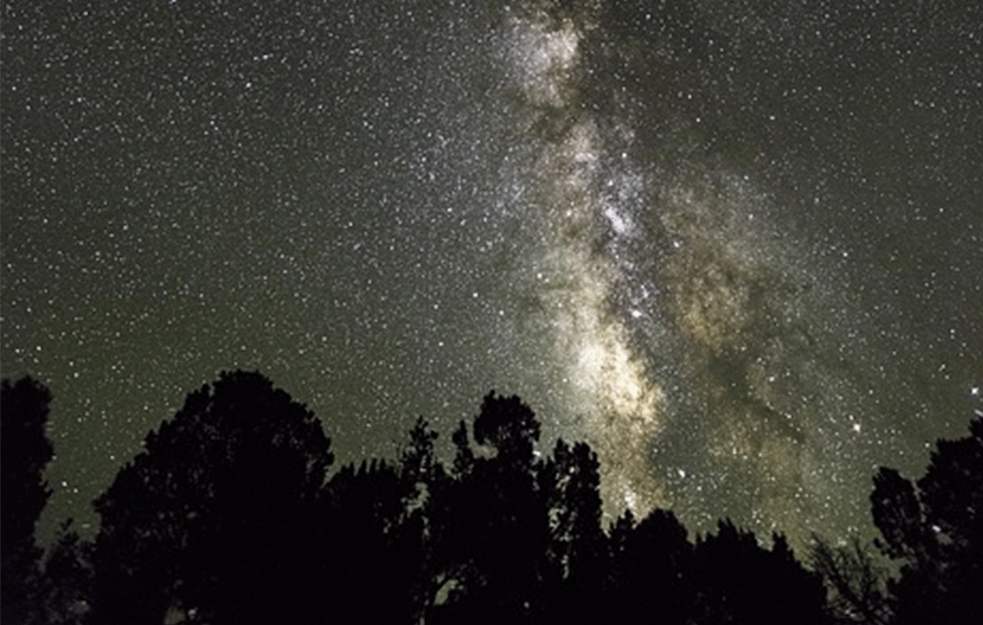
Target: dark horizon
<point>229,515</point>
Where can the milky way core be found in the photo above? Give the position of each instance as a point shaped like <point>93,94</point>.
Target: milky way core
<point>707,345</point>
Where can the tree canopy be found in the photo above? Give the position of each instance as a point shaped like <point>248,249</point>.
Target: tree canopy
<point>934,528</point>
<point>212,517</point>
<point>229,515</point>
<point>24,452</point>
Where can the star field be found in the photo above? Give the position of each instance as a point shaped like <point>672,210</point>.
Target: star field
<point>736,248</point>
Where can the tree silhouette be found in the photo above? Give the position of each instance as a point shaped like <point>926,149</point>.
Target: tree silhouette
<point>419,467</point>
<point>463,454</point>
<point>651,569</point>
<point>494,520</point>
<point>855,579</point>
<point>66,583</point>
<point>577,550</point>
<point>510,427</point>
<point>226,517</point>
<point>936,532</point>
<point>452,516</point>
<point>24,452</point>
<point>424,487</point>
<point>739,581</point>
<point>213,520</point>
<point>372,545</point>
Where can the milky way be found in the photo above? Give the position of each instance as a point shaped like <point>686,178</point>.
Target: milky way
<point>648,280</point>
<point>735,248</point>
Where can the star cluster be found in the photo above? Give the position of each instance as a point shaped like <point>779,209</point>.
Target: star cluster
<point>734,247</point>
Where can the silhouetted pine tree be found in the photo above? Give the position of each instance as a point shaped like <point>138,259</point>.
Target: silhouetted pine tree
<point>373,551</point>
<point>856,581</point>
<point>572,586</point>
<point>936,532</point>
<point>739,581</point>
<point>214,521</point>
<point>497,530</point>
<point>24,452</point>
<point>652,569</point>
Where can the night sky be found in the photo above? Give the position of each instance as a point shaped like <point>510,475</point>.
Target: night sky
<point>737,247</point>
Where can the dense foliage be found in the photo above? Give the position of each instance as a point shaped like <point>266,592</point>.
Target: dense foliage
<point>24,451</point>
<point>229,516</point>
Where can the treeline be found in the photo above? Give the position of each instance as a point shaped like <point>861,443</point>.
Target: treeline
<point>228,516</point>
